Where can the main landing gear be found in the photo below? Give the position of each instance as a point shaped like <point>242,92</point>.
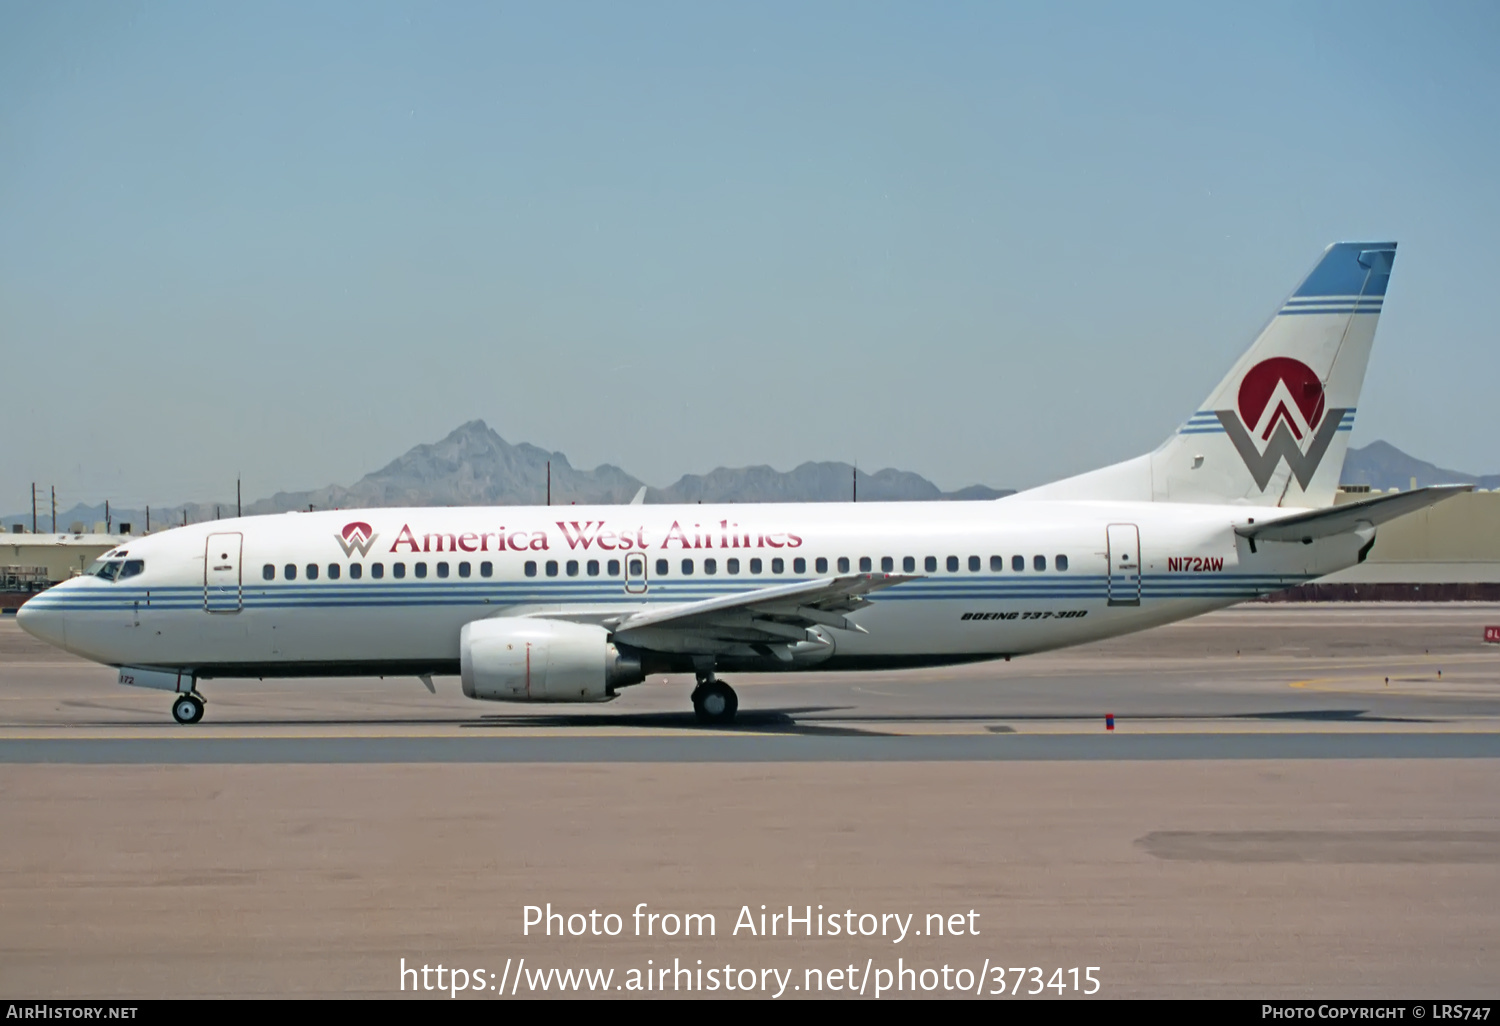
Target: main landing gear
<point>714,701</point>
<point>187,708</point>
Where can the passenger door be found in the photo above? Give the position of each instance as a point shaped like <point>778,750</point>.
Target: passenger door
<point>1124,565</point>
<point>221,573</point>
<point>635,573</point>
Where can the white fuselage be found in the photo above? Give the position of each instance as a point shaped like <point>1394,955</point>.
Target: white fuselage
<point>392,596</point>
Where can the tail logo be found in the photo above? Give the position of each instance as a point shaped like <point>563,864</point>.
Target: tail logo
<point>1282,415</point>
<point>356,537</point>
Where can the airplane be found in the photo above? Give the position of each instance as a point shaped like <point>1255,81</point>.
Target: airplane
<point>576,603</point>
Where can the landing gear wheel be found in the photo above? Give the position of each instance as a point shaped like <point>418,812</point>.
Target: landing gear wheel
<point>715,702</point>
<point>187,709</point>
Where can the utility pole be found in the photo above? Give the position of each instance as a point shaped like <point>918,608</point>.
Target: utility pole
<point>238,509</point>
<point>184,516</point>
<point>33,507</point>
<point>107,518</point>
<point>549,482</point>
<point>856,485</point>
<point>148,519</point>
<point>54,509</point>
<point>217,514</point>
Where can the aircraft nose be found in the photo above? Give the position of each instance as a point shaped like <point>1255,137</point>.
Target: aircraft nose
<point>40,622</point>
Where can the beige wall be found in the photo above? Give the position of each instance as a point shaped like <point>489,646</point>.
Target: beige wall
<point>61,554</point>
<point>1465,528</point>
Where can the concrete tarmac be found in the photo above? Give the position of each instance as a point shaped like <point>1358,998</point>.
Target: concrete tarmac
<point>1297,802</point>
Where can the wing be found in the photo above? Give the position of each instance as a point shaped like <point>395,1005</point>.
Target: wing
<point>764,621</point>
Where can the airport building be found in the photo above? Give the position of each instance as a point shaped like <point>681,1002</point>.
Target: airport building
<point>30,563</point>
<point>1448,552</point>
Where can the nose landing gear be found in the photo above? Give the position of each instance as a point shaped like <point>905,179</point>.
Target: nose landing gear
<point>714,701</point>
<point>187,708</point>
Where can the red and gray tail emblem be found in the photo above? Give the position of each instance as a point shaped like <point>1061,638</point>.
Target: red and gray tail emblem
<point>356,537</point>
<point>1282,415</point>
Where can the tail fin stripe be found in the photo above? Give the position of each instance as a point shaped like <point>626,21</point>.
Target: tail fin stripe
<point>1341,311</point>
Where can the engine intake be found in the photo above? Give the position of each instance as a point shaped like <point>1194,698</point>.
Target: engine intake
<point>519,659</point>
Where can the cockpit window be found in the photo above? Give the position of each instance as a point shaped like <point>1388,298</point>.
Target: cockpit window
<point>108,569</point>
<point>116,569</point>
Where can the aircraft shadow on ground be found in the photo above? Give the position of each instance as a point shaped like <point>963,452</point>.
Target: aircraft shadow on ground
<point>780,721</point>
<point>802,720</point>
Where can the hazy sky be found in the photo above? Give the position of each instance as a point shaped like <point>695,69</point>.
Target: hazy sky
<point>986,242</point>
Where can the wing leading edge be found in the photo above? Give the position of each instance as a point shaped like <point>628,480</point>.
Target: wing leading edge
<point>776,620</point>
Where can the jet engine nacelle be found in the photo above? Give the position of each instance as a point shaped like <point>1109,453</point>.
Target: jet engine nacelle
<point>519,659</point>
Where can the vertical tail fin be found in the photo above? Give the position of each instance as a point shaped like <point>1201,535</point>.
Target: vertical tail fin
<point>1275,430</point>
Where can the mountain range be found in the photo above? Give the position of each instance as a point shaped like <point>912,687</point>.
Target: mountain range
<point>474,466</point>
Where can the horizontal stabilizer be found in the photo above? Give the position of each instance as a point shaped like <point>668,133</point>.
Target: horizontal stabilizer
<point>1350,517</point>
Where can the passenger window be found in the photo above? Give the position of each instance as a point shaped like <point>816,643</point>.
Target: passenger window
<point>355,571</point>
<point>974,564</point>
<point>398,570</point>
<point>997,563</point>
<point>268,572</point>
<point>486,569</point>
<point>531,568</point>
<point>551,568</point>
<point>930,563</point>
<point>572,568</point>
<point>289,571</point>
<point>1018,562</point>
<point>687,567</point>
<point>777,565</point>
<point>843,564</point>
<point>710,566</point>
<point>377,570</point>
<point>1061,562</point>
<point>1039,562</point>
<point>312,571</point>
<point>908,564</point>
<point>755,565</point>
<point>614,568</point>
<point>420,569</point>
<point>732,565</point>
<point>661,568</point>
<point>464,570</point>
<point>135,566</point>
<point>952,564</point>
<point>442,569</point>
<point>864,564</point>
<point>821,565</point>
<point>333,571</point>
<point>799,565</point>
<point>593,568</point>
<point>887,564</point>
